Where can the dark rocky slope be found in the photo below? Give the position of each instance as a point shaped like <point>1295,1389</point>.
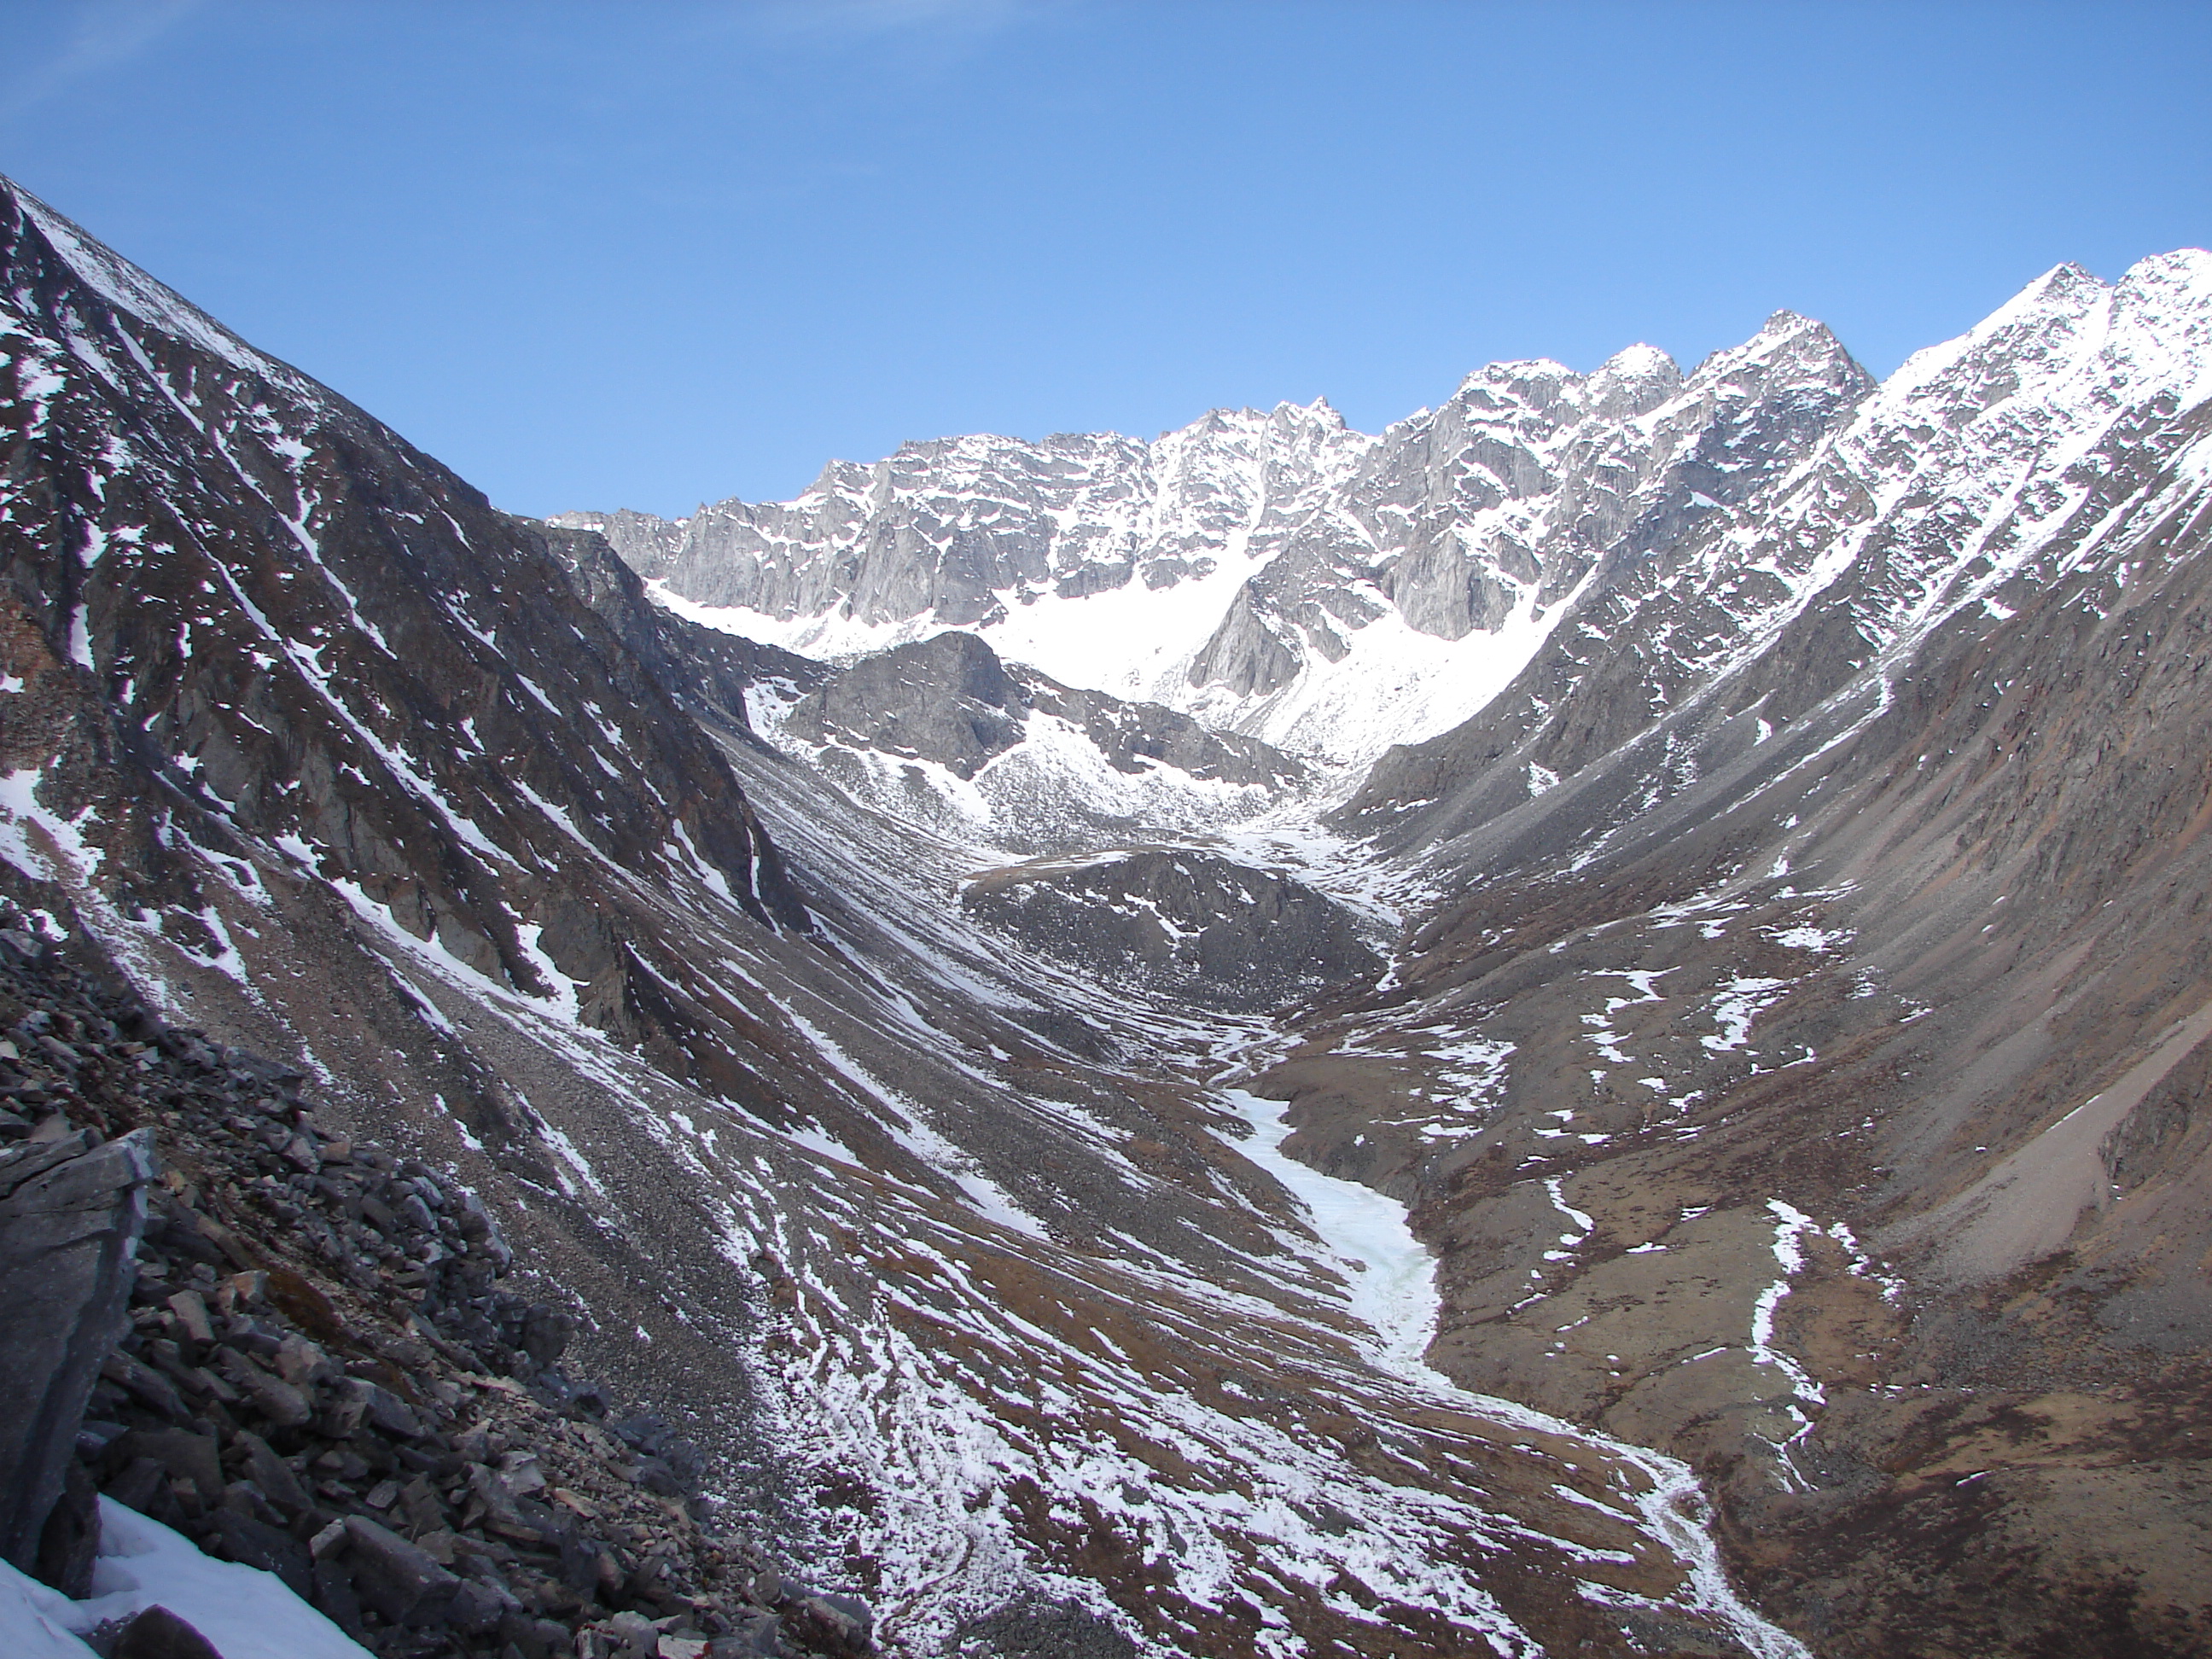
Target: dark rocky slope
<point>1807,1078</point>
<point>323,1377</point>
<point>1192,926</point>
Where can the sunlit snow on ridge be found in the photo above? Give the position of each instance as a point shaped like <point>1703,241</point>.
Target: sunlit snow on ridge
<point>1395,685</point>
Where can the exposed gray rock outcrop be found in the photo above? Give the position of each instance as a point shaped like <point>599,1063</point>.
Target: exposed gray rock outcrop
<point>951,700</point>
<point>72,1210</point>
<point>1216,932</point>
<point>948,699</point>
<point>1245,654</point>
<point>1133,736</point>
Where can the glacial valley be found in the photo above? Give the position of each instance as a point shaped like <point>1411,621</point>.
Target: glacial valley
<point>1572,1028</point>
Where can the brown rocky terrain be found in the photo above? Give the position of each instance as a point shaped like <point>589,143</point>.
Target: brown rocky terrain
<point>1192,926</point>
<point>1792,1053</point>
<point>1840,1029</point>
<point>322,1377</point>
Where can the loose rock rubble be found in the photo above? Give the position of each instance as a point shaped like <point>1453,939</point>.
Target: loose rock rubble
<point>322,1377</point>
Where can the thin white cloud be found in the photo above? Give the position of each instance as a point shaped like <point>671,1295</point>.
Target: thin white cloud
<point>107,34</point>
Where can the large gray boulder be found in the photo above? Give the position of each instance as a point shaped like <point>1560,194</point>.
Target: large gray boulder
<point>72,1210</point>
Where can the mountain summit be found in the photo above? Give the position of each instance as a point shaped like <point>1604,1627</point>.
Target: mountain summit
<point>1270,573</point>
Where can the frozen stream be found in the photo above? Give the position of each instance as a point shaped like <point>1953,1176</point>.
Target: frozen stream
<point>1393,1277</point>
<point>1392,1291</point>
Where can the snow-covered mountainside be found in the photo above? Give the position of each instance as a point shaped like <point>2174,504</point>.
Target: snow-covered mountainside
<point>947,1251</point>
<point>1961,488</point>
<point>1703,1150</point>
<point>1273,574</point>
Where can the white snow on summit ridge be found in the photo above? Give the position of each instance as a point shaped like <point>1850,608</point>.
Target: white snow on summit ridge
<point>1979,454</point>
<point>1272,572</point>
<point>131,291</point>
<point>1276,574</point>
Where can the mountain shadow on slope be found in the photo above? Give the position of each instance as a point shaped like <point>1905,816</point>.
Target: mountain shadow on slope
<point>951,700</point>
<point>1194,925</point>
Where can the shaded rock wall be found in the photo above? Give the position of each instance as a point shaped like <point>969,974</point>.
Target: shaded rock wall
<point>71,1209</point>
<point>1190,925</point>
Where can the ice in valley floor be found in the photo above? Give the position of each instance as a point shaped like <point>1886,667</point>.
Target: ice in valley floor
<point>1391,1282</point>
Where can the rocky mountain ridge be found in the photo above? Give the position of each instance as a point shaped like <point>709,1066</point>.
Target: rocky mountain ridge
<point>1962,484</point>
<point>940,731</point>
<point>1274,573</point>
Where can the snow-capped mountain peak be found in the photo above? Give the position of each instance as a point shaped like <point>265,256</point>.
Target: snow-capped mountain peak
<point>1274,572</point>
<point>130,290</point>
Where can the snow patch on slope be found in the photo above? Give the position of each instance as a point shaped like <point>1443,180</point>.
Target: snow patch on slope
<point>1392,1291</point>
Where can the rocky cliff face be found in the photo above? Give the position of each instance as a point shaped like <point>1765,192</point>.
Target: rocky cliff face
<point>956,529</point>
<point>1276,574</point>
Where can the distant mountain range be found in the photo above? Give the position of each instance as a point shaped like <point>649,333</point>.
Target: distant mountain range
<point>1274,574</point>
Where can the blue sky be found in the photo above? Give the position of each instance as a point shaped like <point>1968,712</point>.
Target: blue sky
<point>650,253</point>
